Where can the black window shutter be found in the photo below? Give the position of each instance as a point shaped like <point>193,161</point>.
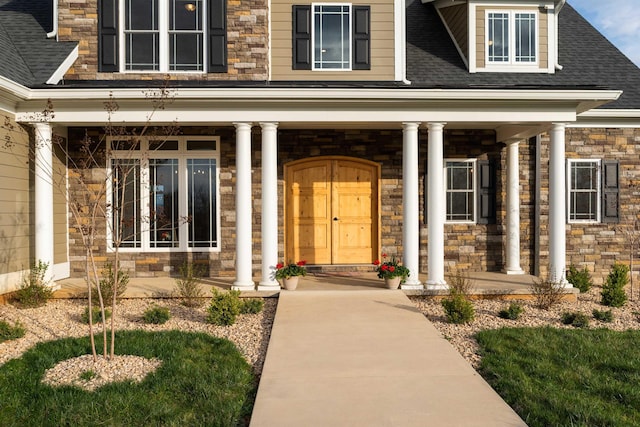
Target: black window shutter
<point>217,36</point>
<point>108,36</point>
<point>361,38</point>
<point>486,192</point>
<point>301,42</point>
<point>610,191</point>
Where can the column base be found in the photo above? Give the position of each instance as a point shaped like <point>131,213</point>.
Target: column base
<point>412,285</point>
<point>436,286</point>
<point>269,286</point>
<point>513,271</point>
<point>243,286</point>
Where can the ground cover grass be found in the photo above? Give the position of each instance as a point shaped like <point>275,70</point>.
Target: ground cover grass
<point>203,380</point>
<point>562,377</point>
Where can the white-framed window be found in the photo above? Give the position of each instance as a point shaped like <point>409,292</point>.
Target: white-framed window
<point>331,36</point>
<point>163,194</point>
<point>511,37</point>
<point>584,186</point>
<point>163,35</point>
<point>460,190</point>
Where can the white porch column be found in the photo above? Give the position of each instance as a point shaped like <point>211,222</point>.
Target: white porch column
<point>436,206</point>
<point>557,205</point>
<point>269,206</point>
<point>44,196</point>
<point>513,210</point>
<point>410,207</point>
<point>244,254</point>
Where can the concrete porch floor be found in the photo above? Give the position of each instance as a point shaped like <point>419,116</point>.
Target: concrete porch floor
<point>485,284</point>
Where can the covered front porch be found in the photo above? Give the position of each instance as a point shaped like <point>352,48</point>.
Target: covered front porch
<point>485,285</point>
<point>253,151</point>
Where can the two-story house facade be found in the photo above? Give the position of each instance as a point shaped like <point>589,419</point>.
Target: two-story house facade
<point>477,135</point>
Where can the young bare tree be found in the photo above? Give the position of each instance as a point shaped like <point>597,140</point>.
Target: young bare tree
<point>92,182</point>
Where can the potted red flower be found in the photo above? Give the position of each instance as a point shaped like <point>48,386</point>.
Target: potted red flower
<point>391,271</point>
<point>290,273</point>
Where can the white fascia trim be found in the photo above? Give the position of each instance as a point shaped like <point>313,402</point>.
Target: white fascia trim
<point>64,67</point>
<point>612,113</point>
<point>318,94</point>
<point>613,118</point>
<point>11,93</point>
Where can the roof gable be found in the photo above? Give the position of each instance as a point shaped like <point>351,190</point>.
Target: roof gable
<point>588,59</point>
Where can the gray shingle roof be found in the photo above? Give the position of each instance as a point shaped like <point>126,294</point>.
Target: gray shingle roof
<point>27,56</point>
<point>587,57</point>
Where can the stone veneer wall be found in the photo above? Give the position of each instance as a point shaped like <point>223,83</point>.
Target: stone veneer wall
<point>247,43</point>
<point>468,247</point>
<point>597,246</point>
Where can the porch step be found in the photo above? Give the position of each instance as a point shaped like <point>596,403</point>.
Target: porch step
<point>341,269</point>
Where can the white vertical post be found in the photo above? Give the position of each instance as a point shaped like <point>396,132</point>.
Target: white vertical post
<point>44,196</point>
<point>436,206</point>
<point>410,207</point>
<point>244,241</point>
<point>269,223</point>
<point>513,210</point>
<point>557,205</point>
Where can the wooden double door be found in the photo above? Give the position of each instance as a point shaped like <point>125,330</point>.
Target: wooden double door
<point>331,214</point>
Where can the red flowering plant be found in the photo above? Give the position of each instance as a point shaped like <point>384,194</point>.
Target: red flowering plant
<point>389,268</point>
<point>292,269</point>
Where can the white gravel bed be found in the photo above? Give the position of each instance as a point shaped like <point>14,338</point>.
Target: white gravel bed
<point>462,336</point>
<point>62,318</point>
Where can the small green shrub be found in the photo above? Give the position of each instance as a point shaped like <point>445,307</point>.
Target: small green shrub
<point>580,279</point>
<point>603,316</point>
<point>512,312</point>
<point>108,284</point>
<point>251,305</point>
<point>224,308</point>
<point>35,289</point>
<point>156,315</point>
<point>575,319</point>
<point>613,294</point>
<point>8,332</point>
<point>458,309</point>
<point>188,284</point>
<point>96,315</point>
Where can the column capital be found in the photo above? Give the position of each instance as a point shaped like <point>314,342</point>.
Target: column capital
<point>558,125</point>
<point>243,125</point>
<point>269,125</point>
<point>436,125</point>
<point>410,125</point>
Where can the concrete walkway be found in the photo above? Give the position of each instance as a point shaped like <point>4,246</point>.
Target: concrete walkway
<point>367,358</point>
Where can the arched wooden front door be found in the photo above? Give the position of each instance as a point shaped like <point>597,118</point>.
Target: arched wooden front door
<point>332,210</point>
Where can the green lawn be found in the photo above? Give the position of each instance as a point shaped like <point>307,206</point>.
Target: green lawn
<point>203,381</point>
<point>562,377</point>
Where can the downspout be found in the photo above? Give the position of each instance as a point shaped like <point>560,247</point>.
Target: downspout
<point>536,207</point>
<point>559,7</point>
<point>54,31</point>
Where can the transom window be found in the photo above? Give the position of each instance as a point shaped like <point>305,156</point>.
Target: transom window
<point>164,194</point>
<point>164,35</point>
<point>331,36</point>
<point>511,37</point>
<point>584,190</point>
<point>460,190</point>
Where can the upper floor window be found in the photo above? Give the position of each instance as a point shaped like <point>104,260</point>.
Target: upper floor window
<point>331,36</point>
<point>162,35</point>
<point>511,37</point>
